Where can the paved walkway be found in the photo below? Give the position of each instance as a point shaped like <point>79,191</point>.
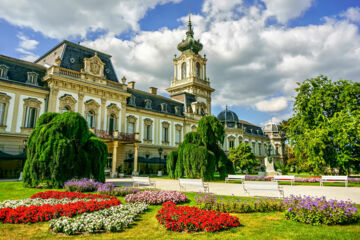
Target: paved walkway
<point>338,193</point>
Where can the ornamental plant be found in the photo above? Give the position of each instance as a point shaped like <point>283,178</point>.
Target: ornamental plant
<point>192,219</point>
<point>70,195</point>
<point>62,147</point>
<point>113,219</point>
<point>39,201</point>
<point>208,201</point>
<point>318,211</point>
<point>81,185</point>
<point>156,197</point>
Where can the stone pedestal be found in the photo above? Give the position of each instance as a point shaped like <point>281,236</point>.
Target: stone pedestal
<point>270,170</point>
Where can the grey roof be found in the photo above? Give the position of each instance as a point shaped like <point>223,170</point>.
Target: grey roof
<point>18,69</point>
<point>228,116</point>
<point>76,52</point>
<point>156,101</point>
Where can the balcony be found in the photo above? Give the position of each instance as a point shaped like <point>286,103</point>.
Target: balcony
<point>116,136</point>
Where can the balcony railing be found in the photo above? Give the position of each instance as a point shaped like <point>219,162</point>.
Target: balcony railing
<point>116,135</point>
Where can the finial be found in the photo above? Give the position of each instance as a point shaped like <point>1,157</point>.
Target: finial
<point>189,31</point>
<point>123,80</point>
<point>174,55</point>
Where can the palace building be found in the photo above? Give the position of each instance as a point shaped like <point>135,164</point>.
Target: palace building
<point>139,127</point>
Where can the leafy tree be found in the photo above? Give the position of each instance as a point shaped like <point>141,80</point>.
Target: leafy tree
<point>243,158</point>
<point>325,128</point>
<point>199,155</point>
<point>61,147</point>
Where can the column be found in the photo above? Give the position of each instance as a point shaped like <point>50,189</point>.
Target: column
<point>80,102</point>
<point>205,71</point>
<point>15,113</point>
<point>123,115</point>
<point>102,113</point>
<point>136,148</point>
<point>114,158</point>
<point>53,99</point>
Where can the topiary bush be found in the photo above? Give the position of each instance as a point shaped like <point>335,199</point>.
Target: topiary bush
<point>60,148</point>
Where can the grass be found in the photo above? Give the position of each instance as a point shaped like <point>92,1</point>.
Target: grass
<point>254,225</point>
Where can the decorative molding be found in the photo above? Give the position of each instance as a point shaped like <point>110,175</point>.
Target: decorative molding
<point>92,105</point>
<point>94,66</point>
<point>67,101</point>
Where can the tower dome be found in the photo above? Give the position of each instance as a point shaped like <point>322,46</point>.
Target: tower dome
<point>227,116</point>
<point>190,43</point>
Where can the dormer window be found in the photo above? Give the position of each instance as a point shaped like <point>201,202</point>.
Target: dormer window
<point>132,100</point>
<point>147,104</point>
<point>164,107</point>
<point>32,78</point>
<point>3,71</point>
<point>177,110</point>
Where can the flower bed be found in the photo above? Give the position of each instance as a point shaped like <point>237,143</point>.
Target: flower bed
<point>318,211</point>
<point>208,201</point>
<point>38,202</point>
<point>82,185</point>
<point>70,195</point>
<point>193,219</point>
<point>120,191</point>
<point>45,212</point>
<point>157,197</point>
<point>113,219</point>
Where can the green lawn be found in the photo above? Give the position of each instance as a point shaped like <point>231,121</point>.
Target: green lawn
<point>254,226</point>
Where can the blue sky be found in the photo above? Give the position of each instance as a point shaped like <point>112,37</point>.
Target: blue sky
<point>257,49</point>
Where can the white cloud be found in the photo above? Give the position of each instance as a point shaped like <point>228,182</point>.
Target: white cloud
<point>352,13</point>
<point>285,10</point>
<point>221,9</point>
<point>277,119</point>
<point>26,45</point>
<point>66,18</point>
<point>276,104</point>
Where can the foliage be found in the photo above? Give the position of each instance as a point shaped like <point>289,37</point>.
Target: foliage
<point>193,219</point>
<point>318,211</point>
<point>209,201</point>
<point>325,129</point>
<point>243,158</point>
<point>157,197</point>
<point>60,148</point>
<point>113,219</point>
<point>199,155</point>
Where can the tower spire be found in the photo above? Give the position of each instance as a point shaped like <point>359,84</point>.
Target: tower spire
<point>190,31</point>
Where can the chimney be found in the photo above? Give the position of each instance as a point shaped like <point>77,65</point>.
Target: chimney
<point>153,90</point>
<point>131,85</point>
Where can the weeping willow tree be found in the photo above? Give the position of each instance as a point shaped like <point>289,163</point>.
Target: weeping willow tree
<point>200,154</point>
<point>61,147</point>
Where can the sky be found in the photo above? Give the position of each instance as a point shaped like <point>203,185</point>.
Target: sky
<point>257,50</point>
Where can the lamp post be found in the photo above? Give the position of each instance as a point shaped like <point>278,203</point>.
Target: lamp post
<point>160,153</point>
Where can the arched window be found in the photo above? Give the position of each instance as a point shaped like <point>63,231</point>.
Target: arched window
<point>112,123</point>
<point>65,109</point>
<point>90,118</point>
<point>198,70</point>
<point>183,70</point>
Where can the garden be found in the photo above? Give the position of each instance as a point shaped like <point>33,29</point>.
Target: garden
<point>84,208</point>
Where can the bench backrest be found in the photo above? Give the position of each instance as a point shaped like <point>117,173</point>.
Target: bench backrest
<point>187,181</point>
<point>261,185</point>
<point>334,178</point>
<point>236,176</point>
<point>284,177</point>
<point>141,179</point>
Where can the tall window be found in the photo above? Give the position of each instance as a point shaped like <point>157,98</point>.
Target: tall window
<point>130,128</point>
<point>147,132</point>
<point>259,149</point>
<point>183,70</point>
<point>3,71</point>
<point>90,118</point>
<point>198,70</point>
<point>253,148</point>
<point>30,117</point>
<point>147,103</point>
<point>178,135</point>
<point>231,144</point>
<point>32,78</point>
<point>112,123</point>
<point>277,150</point>
<point>2,114</point>
<point>165,134</point>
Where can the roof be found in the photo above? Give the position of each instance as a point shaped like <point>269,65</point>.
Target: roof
<point>18,71</point>
<point>156,101</point>
<point>72,57</point>
<point>228,116</point>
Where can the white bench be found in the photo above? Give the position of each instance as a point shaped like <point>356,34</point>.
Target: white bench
<point>235,177</point>
<point>142,181</point>
<point>262,186</point>
<point>194,183</point>
<point>284,179</point>
<point>343,179</point>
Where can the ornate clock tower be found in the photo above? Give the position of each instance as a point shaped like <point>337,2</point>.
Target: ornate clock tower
<point>190,83</point>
